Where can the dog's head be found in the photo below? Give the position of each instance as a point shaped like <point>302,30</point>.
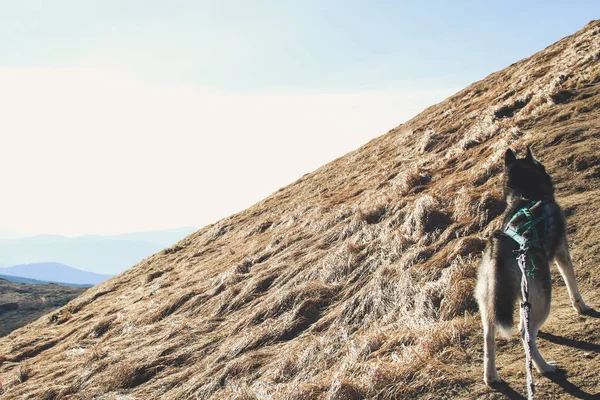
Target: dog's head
<point>526,178</point>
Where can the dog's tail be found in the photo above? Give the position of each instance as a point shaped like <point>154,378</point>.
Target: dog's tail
<point>506,282</point>
<point>497,284</point>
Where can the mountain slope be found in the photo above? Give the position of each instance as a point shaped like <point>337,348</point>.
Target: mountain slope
<point>54,272</point>
<point>356,280</point>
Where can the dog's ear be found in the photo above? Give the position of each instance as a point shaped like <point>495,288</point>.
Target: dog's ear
<point>509,157</point>
<point>530,156</point>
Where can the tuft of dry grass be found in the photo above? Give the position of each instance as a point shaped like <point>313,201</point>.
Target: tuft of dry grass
<point>344,390</point>
<point>23,372</point>
<point>413,180</point>
<point>426,219</point>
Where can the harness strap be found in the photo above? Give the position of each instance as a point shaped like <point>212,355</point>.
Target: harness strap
<point>516,236</point>
<point>529,226</point>
<point>530,223</point>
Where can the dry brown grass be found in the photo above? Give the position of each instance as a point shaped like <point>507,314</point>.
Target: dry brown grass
<point>353,282</point>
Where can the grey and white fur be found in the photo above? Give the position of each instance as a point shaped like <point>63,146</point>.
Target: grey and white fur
<point>499,277</point>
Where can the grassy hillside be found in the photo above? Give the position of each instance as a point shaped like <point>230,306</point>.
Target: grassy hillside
<point>356,280</point>
<point>22,303</point>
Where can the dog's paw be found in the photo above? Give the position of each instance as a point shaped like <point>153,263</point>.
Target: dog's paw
<point>581,307</point>
<point>548,368</point>
<point>491,379</point>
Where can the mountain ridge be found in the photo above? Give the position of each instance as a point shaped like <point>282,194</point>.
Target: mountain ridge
<point>55,273</point>
<point>356,280</point>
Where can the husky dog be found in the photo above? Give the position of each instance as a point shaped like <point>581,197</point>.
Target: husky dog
<point>529,195</point>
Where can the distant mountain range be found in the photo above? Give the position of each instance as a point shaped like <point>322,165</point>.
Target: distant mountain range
<point>51,273</point>
<point>95,253</point>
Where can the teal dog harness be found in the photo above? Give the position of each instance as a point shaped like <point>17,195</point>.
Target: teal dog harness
<point>526,233</point>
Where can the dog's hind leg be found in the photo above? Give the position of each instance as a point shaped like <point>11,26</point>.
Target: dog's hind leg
<point>485,294</point>
<point>563,261</point>
<point>490,374</point>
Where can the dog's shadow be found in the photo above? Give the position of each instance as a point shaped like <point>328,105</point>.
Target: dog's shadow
<point>506,390</point>
<point>579,344</point>
<point>592,313</point>
<point>560,378</point>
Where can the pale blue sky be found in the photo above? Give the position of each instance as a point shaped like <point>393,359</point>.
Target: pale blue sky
<point>249,46</point>
<point>126,115</point>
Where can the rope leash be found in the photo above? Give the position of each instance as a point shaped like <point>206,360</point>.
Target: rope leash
<point>525,317</point>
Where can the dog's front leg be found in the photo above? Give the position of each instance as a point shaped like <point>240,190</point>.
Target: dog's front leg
<point>565,266</point>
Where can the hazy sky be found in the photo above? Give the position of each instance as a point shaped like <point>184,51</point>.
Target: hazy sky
<point>120,116</point>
